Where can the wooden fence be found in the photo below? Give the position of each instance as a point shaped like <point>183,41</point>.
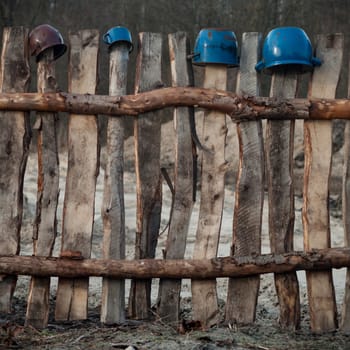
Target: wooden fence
<point>263,160</point>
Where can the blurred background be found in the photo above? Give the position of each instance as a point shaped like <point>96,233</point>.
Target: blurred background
<point>169,16</point>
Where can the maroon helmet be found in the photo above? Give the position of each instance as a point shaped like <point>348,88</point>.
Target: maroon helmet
<point>43,37</point>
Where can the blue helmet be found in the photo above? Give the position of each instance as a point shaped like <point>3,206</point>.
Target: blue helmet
<point>216,46</point>
<point>287,46</point>
<point>118,34</point>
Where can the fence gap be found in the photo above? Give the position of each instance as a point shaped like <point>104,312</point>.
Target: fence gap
<point>14,148</point>
<point>345,320</point>
<point>45,225</point>
<point>318,157</point>
<point>280,179</point>
<point>147,132</point>
<point>249,196</point>
<point>214,167</point>
<point>182,75</point>
<point>113,208</point>
<point>83,154</point>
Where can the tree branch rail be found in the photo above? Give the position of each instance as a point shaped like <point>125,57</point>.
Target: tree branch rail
<point>75,266</point>
<point>238,107</point>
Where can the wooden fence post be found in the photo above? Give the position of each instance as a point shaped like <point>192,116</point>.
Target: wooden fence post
<point>345,319</point>
<point>214,167</point>
<point>279,160</point>
<point>182,75</point>
<point>113,209</point>
<point>147,129</point>
<point>47,196</point>
<point>318,157</point>
<point>14,147</point>
<point>249,195</point>
<point>79,201</point>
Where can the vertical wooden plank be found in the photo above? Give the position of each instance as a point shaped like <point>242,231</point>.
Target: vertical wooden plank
<point>14,147</point>
<point>279,159</point>
<point>83,147</point>
<point>148,178</point>
<point>249,195</point>
<point>318,157</point>
<point>214,166</point>
<point>345,319</point>
<point>113,209</point>
<point>182,75</point>
<point>47,197</point>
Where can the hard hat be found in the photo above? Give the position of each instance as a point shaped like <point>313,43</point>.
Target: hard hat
<point>118,34</point>
<point>43,37</point>
<point>287,46</point>
<point>216,46</point>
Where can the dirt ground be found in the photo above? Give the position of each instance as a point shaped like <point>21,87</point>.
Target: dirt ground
<point>265,334</point>
<point>90,334</point>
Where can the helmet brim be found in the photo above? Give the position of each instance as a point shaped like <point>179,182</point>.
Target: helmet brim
<point>300,66</point>
<point>58,51</point>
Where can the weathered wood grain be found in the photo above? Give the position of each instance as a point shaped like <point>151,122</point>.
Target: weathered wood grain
<point>345,319</point>
<point>214,166</point>
<point>113,208</point>
<point>147,129</point>
<point>79,201</point>
<point>279,173</point>
<point>318,158</point>
<point>14,147</point>
<point>249,195</point>
<point>45,225</point>
<point>182,75</point>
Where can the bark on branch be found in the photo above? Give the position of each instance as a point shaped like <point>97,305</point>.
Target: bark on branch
<point>198,269</point>
<point>238,107</point>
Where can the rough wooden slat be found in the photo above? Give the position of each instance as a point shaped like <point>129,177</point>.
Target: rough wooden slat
<point>78,215</point>
<point>14,146</point>
<point>318,158</point>
<point>148,177</point>
<point>345,319</point>
<point>214,166</point>
<point>113,210</point>
<point>279,159</point>
<point>181,71</point>
<point>249,196</point>
<point>47,196</point>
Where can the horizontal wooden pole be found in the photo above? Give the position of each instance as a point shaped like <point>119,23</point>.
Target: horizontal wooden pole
<point>196,269</point>
<point>237,106</point>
